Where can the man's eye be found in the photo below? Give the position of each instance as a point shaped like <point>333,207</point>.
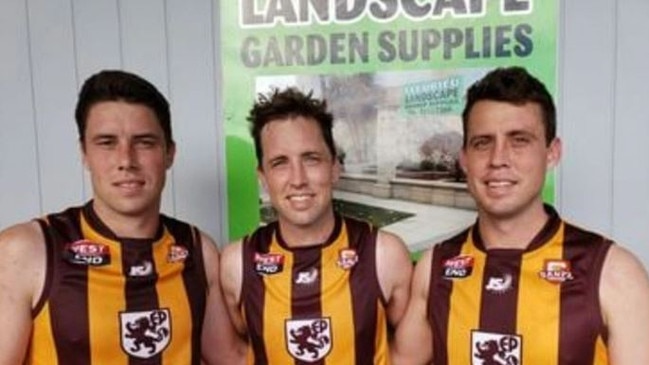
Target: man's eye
<point>312,159</point>
<point>480,144</point>
<point>147,143</point>
<point>277,163</point>
<point>521,140</point>
<point>104,142</point>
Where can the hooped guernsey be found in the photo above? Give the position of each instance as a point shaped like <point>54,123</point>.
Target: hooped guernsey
<point>519,307</point>
<point>314,305</point>
<point>112,300</point>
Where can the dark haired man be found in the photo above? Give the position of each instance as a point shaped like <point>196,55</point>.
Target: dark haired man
<point>114,281</point>
<point>521,286</point>
<point>314,286</point>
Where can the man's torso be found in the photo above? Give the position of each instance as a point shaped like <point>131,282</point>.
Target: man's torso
<point>319,304</point>
<point>110,300</point>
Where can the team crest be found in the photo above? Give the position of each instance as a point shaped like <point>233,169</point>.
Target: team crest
<point>308,340</point>
<point>347,258</point>
<point>177,253</point>
<point>145,334</point>
<point>269,263</point>
<point>496,348</point>
<point>88,253</point>
<point>458,267</point>
<point>556,271</point>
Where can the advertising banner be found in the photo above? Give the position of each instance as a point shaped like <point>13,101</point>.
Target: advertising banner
<point>394,73</point>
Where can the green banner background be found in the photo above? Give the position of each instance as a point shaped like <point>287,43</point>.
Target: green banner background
<point>537,52</point>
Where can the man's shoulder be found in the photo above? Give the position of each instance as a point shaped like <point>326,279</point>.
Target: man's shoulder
<point>22,240</point>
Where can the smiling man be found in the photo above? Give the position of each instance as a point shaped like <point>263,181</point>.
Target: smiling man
<point>521,286</point>
<point>314,286</point>
<point>114,281</point>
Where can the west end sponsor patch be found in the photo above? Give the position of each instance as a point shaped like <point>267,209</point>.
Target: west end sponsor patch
<point>268,263</point>
<point>86,252</point>
<point>556,271</point>
<point>458,267</point>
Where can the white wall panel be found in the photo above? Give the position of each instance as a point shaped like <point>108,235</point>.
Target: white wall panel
<point>192,88</point>
<point>19,180</point>
<point>54,81</point>
<point>586,112</point>
<point>631,144</point>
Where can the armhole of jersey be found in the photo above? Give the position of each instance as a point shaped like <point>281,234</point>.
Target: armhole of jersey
<point>200,258</point>
<point>374,236</point>
<point>242,257</point>
<point>599,266</point>
<point>49,268</point>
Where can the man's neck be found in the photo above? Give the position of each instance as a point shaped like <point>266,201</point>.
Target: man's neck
<point>129,226</point>
<point>307,235</point>
<point>511,233</point>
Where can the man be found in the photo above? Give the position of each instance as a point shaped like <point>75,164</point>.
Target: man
<point>521,286</point>
<point>313,286</point>
<point>114,281</point>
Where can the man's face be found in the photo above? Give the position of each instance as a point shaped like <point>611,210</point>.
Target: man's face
<point>298,171</point>
<point>506,157</point>
<point>125,152</point>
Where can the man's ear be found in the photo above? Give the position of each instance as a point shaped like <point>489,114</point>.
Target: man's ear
<point>170,155</point>
<point>336,170</point>
<point>554,153</point>
<point>462,160</point>
<point>262,178</point>
<point>82,152</point>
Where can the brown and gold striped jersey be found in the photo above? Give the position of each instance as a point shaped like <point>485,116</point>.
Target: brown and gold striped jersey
<point>112,300</point>
<point>519,307</point>
<point>315,305</point>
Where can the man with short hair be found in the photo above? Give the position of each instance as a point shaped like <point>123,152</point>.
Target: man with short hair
<point>521,286</point>
<point>114,281</point>
<point>314,286</point>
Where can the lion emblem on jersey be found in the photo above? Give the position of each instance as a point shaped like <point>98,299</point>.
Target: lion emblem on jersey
<point>308,339</point>
<point>496,349</point>
<point>145,334</point>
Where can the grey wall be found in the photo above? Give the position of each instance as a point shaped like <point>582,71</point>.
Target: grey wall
<point>48,47</point>
<point>604,175</point>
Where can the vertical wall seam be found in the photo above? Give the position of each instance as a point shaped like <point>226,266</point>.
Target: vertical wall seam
<point>76,82</point>
<point>560,100</point>
<point>613,124</point>
<point>30,57</point>
<point>120,33</point>
<point>223,223</point>
<point>169,93</point>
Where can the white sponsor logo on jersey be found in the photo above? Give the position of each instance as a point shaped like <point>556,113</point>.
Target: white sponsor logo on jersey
<point>500,285</point>
<point>144,268</point>
<point>307,277</point>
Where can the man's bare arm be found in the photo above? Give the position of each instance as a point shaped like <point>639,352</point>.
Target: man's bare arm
<point>624,295</point>
<point>413,343</point>
<point>220,342</point>
<point>22,274</point>
<point>394,270</point>
<point>231,283</point>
